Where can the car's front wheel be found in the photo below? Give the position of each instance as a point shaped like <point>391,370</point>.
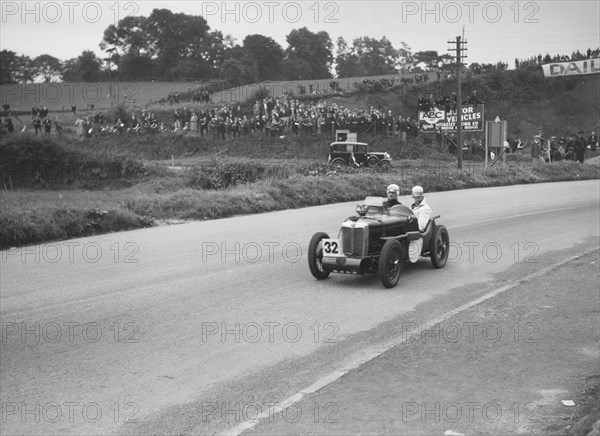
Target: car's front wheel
<point>315,256</point>
<point>390,263</point>
<point>372,161</point>
<point>439,246</point>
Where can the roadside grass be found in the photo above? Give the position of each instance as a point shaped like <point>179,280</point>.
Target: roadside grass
<point>30,217</point>
<point>33,217</point>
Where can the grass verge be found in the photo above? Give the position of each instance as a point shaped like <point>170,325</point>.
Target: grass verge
<point>36,216</point>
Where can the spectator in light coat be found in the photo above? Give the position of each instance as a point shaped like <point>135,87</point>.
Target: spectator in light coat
<point>420,208</point>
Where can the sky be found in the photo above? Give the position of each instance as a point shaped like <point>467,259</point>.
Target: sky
<point>494,30</point>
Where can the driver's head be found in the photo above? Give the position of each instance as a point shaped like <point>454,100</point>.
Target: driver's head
<point>393,191</point>
<point>417,194</point>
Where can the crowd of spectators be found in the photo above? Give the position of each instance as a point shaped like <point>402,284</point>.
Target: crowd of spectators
<point>538,60</point>
<point>566,147</point>
<point>267,117</point>
<point>446,102</point>
<point>282,116</point>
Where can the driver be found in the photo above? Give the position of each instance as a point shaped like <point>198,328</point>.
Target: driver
<point>392,196</point>
<point>420,208</point>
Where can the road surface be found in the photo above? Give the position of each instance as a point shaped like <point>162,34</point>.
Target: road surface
<point>143,331</point>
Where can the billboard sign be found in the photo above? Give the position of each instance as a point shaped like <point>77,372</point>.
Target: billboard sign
<point>574,68</point>
<point>436,119</point>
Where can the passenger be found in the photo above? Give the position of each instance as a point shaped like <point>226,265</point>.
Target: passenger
<point>420,208</point>
<point>392,194</point>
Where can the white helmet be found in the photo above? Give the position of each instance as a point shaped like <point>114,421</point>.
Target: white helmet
<point>393,188</point>
<point>417,191</point>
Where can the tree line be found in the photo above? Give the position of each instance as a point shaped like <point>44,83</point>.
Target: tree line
<point>167,46</point>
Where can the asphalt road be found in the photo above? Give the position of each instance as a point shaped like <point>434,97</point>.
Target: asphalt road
<point>147,331</point>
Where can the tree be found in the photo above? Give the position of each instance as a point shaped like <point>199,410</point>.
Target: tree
<point>265,56</point>
<point>47,67</point>
<point>346,61</point>
<point>167,45</point>
<point>84,68</point>
<point>15,69</point>
<point>236,72</point>
<point>376,57</point>
<point>314,49</point>
<point>297,69</point>
<point>25,71</point>
<point>130,38</point>
<point>406,58</point>
<point>367,57</point>
<point>8,67</point>
<point>429,57</point>
<point>174,37</point>
<point>134,67</point>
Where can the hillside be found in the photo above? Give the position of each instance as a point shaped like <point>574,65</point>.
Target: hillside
<point>61,187</point>
<point>525,98</point>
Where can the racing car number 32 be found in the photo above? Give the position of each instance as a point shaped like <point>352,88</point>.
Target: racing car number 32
<point>331,247</point>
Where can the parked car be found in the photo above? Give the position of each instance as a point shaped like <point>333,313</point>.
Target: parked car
<point>356,155</point>
<point>378,240</point>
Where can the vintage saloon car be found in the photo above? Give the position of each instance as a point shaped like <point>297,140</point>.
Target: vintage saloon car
<point>378,240</point>
<point>356,154</point>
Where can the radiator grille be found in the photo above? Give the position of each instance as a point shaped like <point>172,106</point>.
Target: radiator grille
<point>353,241</point>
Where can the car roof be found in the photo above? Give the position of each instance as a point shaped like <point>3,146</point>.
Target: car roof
<point>349,142</point>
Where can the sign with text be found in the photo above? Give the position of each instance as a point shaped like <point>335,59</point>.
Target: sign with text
<point>436,119</point>
<point>573,68</point>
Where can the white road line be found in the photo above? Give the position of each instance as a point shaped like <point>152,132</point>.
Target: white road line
<point>368,354</point>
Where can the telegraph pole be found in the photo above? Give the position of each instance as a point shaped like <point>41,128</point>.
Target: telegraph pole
<point>459,57</point>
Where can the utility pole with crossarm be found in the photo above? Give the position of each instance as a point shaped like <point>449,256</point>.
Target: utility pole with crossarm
<point>459,57</point>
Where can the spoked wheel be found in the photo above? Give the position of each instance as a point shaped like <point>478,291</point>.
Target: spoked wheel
<point>390,263</point>
<point>372,161</point>
<point>315,256</point>
<point>338,164</point>
<point>385,166</point>
<point>439,247</point>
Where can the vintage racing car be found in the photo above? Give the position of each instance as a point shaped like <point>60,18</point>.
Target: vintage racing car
<point>378,240</point>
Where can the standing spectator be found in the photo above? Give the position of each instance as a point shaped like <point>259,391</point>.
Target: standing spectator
<point>257,109</point>
<point>177,120</point>
<point>37,125</point>
<point>47,126</point>
<point>194,122</point>
<point>580,146</point>
<point>57,128</point>
<point>246,125</point>
<point>535,147</point>
<point>11,128</point>
<point>221,127</point>
<point>570,147</point>
<point>79,125</point>
<point>389,123</point>
<point>592,140</point>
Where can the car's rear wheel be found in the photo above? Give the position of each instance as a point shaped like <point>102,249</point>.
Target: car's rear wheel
<point>338,164</point>
<point>315,256</point>
<point>439,247</point>
<point>390,263</point>
<point>385,165</point>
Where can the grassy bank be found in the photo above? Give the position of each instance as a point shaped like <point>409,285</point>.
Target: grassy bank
<point>29,216</point>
